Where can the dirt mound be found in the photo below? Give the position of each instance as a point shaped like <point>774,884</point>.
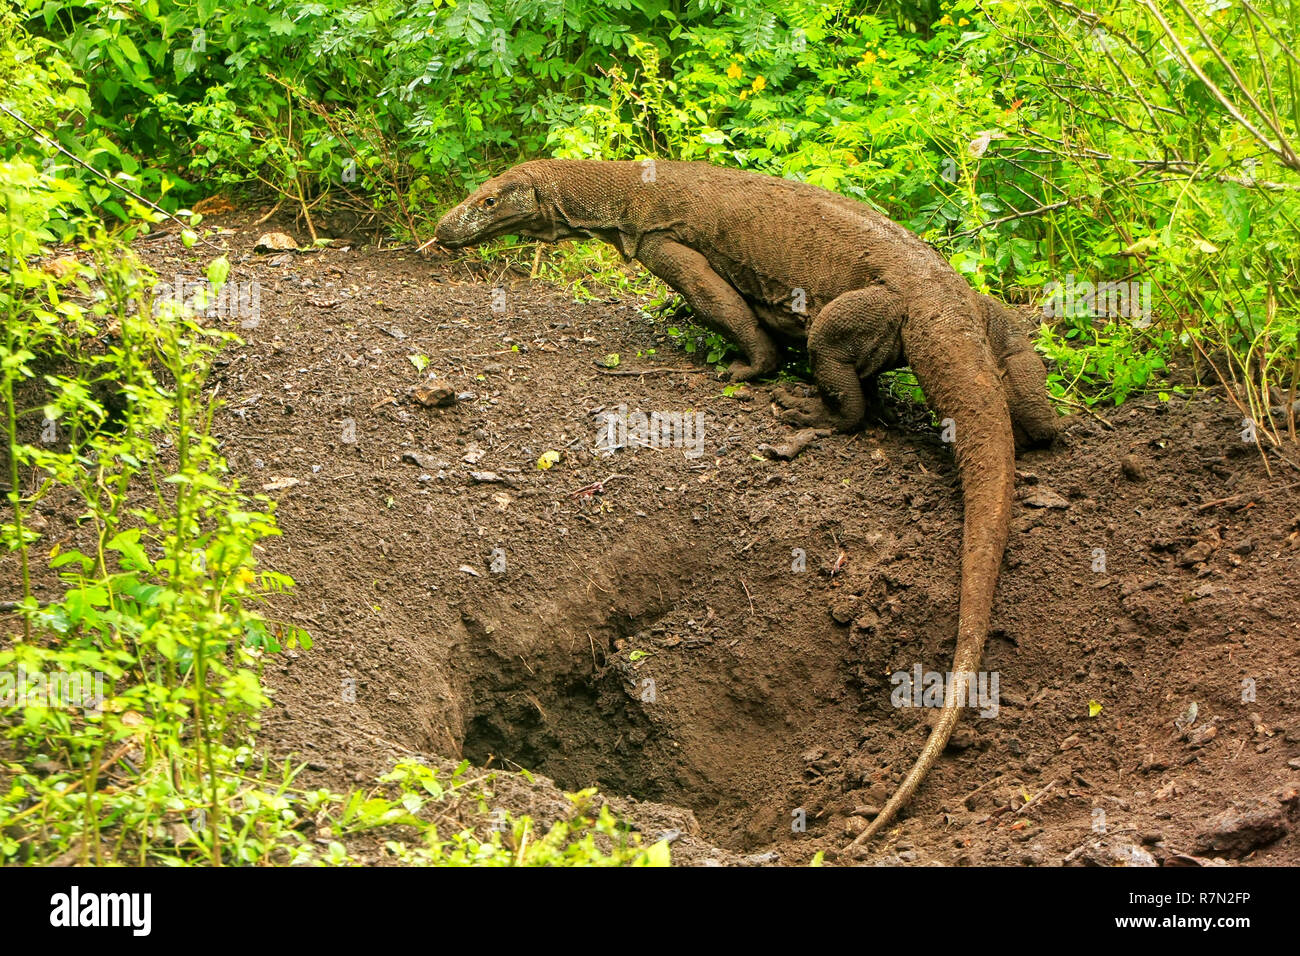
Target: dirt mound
<point>682,620</point>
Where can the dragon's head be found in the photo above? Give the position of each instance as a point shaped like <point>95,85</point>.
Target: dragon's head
<point>503,205</point>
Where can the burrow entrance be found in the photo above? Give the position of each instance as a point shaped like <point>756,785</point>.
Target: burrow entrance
<point>664,689</point>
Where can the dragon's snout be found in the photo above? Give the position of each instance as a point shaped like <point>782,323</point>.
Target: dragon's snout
<point>451,229</point>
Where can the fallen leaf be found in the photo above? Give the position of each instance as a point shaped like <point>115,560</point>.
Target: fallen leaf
<point>62,267</point>
<point>213,206</point>
<point>275,242</point>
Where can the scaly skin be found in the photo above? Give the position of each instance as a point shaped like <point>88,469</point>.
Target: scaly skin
<point>757,257</point>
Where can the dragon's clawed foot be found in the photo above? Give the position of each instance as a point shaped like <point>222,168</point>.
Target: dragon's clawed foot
<point>801,407</point>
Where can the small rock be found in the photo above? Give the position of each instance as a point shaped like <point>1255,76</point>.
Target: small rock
<point>1109,852</point>
<point>275,242</point>
<point>486,477</point>
<point>279,484</point>
<point>1201,551</point>
<point>1134,587</point>
<point>1236,832</point>
<point>1045,498</point>
<point>434,396</point>
<point>1202,735</point>
<point>422,460</point>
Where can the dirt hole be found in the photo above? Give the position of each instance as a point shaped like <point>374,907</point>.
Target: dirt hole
<point>627,679</point>
<point>580,729</point>
<point>647,673</point>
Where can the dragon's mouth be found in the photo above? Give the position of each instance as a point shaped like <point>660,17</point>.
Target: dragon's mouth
<point>449,236</point>
<point>452,238</point>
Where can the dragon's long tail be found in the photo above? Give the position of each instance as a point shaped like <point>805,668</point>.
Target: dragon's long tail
<point>955,366</point>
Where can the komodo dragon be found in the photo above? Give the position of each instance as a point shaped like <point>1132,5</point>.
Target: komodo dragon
<point>755,256</point>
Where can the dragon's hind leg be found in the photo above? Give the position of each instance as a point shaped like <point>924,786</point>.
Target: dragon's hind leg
<point>852,339</point>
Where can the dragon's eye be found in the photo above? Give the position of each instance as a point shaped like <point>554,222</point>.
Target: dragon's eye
<point>489,202</point>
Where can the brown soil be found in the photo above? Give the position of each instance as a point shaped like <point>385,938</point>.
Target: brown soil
<point>771,693</point>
